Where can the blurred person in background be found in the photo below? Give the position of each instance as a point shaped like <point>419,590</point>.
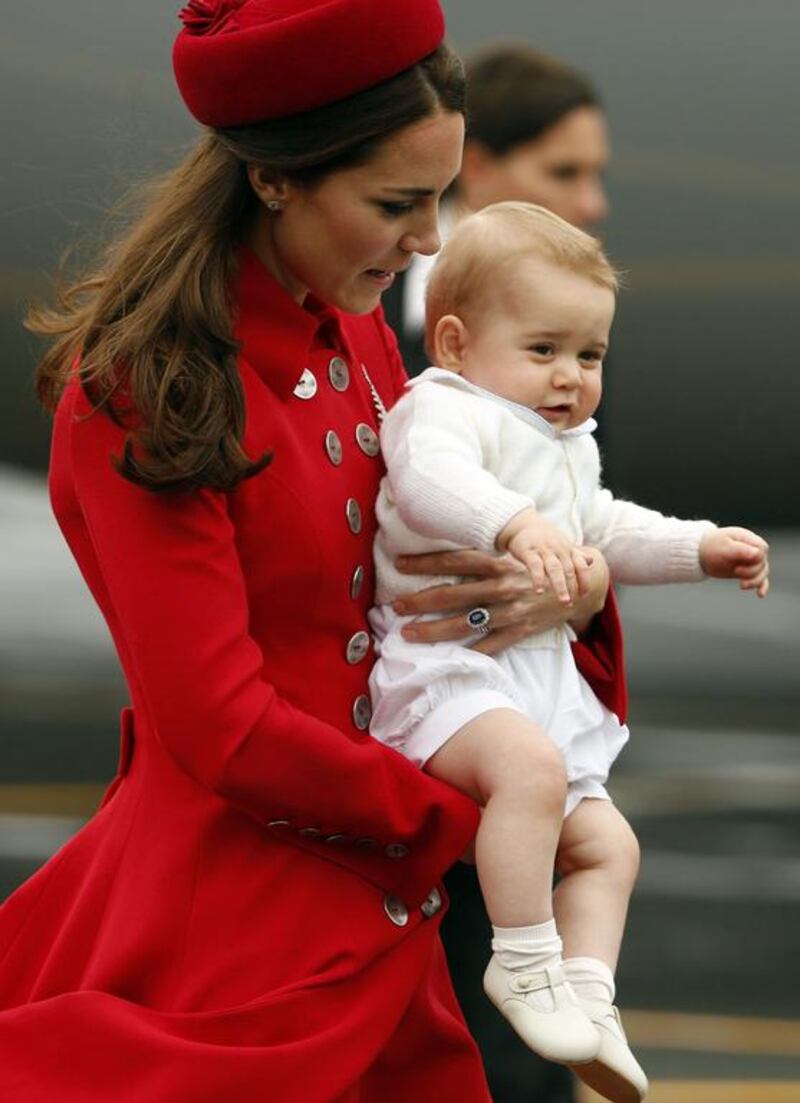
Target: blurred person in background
<point>536,132</point>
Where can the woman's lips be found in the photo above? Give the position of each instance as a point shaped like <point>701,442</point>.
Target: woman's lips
<point>382,277</point>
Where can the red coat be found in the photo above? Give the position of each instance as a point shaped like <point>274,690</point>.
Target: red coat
<point>220,929</point>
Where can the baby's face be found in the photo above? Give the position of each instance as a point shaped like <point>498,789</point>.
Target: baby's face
<point>541,342</point>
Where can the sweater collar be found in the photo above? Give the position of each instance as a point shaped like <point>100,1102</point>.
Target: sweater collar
<point>276,334</point>
<point>449,378</point>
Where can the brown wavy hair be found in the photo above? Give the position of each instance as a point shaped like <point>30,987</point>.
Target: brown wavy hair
<point>152,323</point>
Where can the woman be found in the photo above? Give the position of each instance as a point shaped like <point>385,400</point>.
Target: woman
<point>253,912</point>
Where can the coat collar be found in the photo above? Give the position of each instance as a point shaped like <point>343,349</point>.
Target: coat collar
<point>275,334</point>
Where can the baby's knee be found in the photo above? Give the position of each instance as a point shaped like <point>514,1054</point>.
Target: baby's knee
<point>622,851</point>
<point>529,767</point>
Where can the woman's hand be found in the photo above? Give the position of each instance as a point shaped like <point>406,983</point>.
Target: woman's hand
<point>501,585</point>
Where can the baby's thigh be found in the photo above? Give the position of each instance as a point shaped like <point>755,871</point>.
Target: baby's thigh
<point>597,834</point>
<point>501,750</point>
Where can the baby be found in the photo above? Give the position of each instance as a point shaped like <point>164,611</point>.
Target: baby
<point>493,449</point>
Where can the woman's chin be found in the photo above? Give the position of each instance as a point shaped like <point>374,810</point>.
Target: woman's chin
<point>360,298</point>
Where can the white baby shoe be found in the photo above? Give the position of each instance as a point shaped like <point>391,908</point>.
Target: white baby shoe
<point>614,1073</point>
<point>543,1009</point>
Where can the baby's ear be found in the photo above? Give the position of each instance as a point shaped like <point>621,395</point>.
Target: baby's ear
<point>450,342</point>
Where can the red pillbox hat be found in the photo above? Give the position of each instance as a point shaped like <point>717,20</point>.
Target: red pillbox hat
<point>245,61</point>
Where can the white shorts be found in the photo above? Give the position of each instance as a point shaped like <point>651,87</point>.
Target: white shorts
<point>423,693</point>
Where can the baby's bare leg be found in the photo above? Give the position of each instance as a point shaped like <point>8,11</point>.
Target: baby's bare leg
<point>508,764</point>
<point>598,859</point>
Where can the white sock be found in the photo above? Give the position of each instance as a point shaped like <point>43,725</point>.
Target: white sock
<point>527,948</point>
<point>591,978</point>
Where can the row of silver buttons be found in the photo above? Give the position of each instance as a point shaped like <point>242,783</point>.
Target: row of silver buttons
<point>364,842</point>
<point>398,912</point>
<point>357,646</point>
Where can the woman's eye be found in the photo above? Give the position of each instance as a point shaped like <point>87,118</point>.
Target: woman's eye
<point>564,172</point>
<point>396,210</point>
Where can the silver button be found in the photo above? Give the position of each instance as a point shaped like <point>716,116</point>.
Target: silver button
<point>353,510</point>
<point>396,910</point>
<point>337,838</point>
<point>339,374</point>
<point>366,843</point>
<point>309,832</point>
<point>279,823</point>
<point>367,439</point>
<point>306,385</point>
<point>357,647</point>
<point>333,446</point>
<point>396,850</point>
<point>362,712</point>
<point>431,904</point>
<point>356,582</point>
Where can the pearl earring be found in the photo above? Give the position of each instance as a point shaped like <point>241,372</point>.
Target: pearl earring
<point>274,205</point>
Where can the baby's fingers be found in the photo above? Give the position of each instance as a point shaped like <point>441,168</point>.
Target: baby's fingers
<point>582,563</point>
<point>535,564</point>
<point>558,578</point>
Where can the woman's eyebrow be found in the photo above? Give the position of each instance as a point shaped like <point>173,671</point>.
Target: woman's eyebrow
<point>417,192</point>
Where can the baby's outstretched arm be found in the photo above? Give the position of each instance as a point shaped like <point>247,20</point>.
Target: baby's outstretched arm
<point>737,553</point>
<point>548,554</point>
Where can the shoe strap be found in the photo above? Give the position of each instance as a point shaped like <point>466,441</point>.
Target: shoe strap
<point>548,977</point>
<point>597,1010</point>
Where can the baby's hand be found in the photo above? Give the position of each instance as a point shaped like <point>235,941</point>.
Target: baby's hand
<point>736,553</point>
<point>548,554</point>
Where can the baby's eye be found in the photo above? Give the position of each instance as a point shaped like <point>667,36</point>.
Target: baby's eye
<point>542,348</point>
<point>395,210</point>
<point>592,355</point>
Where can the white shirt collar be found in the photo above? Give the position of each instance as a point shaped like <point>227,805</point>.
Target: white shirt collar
<point>451,379</point>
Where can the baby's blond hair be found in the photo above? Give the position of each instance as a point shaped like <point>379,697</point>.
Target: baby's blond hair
<point>488,243</point>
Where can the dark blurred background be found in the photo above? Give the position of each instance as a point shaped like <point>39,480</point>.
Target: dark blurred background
<point>704,187</point>
<point>700,420</point>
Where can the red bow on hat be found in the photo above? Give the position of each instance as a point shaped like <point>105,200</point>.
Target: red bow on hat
<point>207,16</point>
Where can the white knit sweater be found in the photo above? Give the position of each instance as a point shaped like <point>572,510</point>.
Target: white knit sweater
<point>461,462</point>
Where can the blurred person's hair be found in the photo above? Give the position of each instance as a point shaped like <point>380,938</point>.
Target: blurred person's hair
<point>484,248</point>
<point>515,94</point>
<point>152,322</point>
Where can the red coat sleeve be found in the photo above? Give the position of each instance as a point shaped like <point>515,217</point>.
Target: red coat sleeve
<point>166,574</point>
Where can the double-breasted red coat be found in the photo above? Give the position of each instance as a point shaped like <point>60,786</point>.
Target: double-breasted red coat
<point>253,912</point>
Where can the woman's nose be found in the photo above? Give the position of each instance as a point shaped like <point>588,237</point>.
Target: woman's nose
<point>425,240</point>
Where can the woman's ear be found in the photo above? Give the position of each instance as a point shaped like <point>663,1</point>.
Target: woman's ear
<point>271,190</point>
<point>450,339</point>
